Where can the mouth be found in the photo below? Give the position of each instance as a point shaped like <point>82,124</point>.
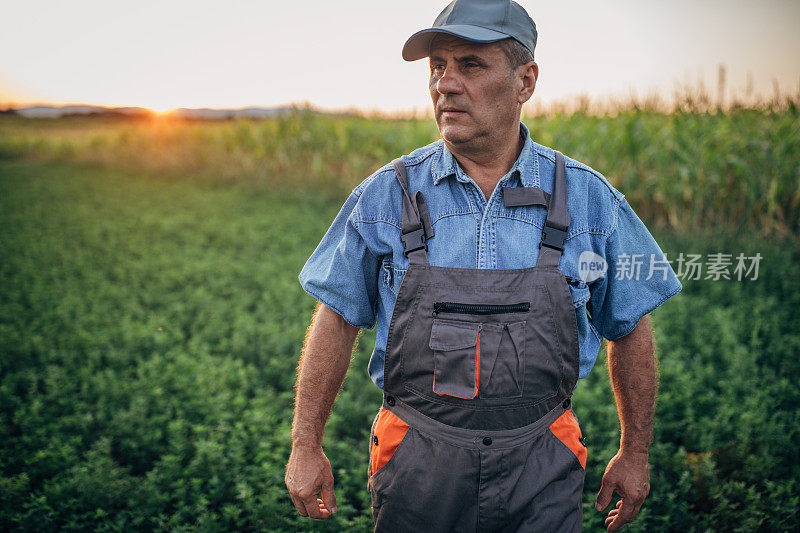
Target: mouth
<point>451,111</point>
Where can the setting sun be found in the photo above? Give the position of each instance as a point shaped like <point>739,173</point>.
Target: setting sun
<point>161,109</point>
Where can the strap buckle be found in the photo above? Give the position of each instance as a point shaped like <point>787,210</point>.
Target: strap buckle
<point>553,237</point>
<point>414,240</point>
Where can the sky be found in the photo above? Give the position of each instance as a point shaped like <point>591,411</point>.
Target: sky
<point>346,54</point>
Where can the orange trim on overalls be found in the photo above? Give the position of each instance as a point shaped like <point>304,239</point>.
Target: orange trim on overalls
<point>567,430</point>
<point>389,431</point>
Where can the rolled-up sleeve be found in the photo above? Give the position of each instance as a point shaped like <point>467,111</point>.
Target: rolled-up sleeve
<point>638,280</point>
<point>342,272</point>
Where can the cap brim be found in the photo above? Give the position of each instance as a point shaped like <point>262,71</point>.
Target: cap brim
<point>418,45</point>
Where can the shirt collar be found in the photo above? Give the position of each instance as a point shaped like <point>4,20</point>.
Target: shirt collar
<point>445,165</point>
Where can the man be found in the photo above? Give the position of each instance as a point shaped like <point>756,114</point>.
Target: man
<point>467,256</point>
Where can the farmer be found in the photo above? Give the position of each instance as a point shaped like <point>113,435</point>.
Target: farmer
<point>491,266</point>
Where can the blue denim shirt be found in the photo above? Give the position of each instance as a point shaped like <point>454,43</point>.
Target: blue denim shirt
<point>358,266</point>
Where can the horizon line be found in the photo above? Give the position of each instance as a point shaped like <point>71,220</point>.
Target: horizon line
<point>694,99</point>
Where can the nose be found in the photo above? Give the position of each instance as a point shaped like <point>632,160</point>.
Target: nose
<point>449,83</point>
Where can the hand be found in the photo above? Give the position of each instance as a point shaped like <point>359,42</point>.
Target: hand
<point>628,473</point>
<point>308,472</point>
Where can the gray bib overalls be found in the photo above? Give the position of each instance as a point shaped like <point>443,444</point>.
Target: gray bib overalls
<point>476,432</point>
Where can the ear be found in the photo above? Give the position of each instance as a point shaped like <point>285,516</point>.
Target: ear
<point>527,75</point>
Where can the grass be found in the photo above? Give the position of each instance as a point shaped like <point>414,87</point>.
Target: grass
<point>685,170</point>
<point>151,321</point>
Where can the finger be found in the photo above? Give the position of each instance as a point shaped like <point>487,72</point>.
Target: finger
<point>604,496</point>
<point>323,509</point>
<point>312,507</point>
<point>328,496</point>
<point>626,514</point>
<point>627,510</point>
<point>298,503</point>
<point>611,515</point>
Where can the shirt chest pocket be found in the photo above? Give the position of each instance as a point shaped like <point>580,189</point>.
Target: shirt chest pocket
<point>392,276</point>
<point>579,291</point>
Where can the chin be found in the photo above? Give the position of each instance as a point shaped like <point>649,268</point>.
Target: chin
<point>455,134</point>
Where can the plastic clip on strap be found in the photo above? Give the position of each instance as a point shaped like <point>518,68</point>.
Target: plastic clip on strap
<point>414,240</point>
<point>554,233</point>
<point>422,207</point>
<point>416,225</point>
<point>553,237</point>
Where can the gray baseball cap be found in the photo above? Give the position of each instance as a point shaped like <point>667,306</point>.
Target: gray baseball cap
<point>483,21</point>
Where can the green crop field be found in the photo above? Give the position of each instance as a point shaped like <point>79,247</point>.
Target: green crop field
<point>151,318</point>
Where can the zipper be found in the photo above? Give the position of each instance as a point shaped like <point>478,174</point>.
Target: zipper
<point>479,309</point>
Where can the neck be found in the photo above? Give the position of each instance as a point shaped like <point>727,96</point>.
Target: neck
<point>487,164</point>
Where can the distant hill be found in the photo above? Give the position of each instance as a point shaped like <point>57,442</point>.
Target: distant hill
<point>46,111</point>
<point>247,112</point>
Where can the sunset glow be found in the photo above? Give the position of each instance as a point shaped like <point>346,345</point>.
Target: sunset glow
<point>345,54</point>
<point>162,109</point>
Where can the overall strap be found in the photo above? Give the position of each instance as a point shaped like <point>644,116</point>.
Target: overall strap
<point>554,233</point>
<point>416,226</point>
<point>519,196</point>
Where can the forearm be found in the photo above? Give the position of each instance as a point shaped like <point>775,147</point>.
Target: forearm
<point>323,364</point>
<point>633,373</point>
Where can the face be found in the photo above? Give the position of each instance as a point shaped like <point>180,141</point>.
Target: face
<point>476,95</point>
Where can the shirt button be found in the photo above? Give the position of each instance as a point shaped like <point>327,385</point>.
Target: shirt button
<point>390,401</point>
<point>487,441</point>
<point>375,440</point>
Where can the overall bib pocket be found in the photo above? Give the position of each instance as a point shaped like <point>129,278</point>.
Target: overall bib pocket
<point>478,359</point>
<point>502,367</point>
<point>456,357</point>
